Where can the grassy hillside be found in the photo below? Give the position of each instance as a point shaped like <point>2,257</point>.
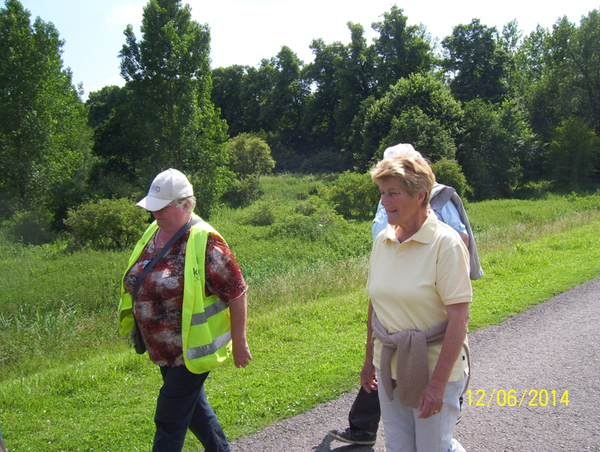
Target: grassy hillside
<point>68,382</point>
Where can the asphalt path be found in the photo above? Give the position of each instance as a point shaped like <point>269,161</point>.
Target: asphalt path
<point>523,372</point>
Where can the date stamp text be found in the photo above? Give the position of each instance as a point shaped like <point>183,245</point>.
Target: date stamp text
<point>512,398</point>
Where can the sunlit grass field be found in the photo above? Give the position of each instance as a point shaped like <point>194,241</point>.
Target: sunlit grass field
<point>68,382</point>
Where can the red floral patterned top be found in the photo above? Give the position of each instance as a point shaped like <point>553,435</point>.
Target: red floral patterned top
<point>157,309</point>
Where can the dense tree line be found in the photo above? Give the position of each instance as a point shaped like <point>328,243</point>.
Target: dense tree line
<point>502,109</point>
<point>495,101</point>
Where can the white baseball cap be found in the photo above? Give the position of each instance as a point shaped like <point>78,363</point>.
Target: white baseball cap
<point>166,187</point>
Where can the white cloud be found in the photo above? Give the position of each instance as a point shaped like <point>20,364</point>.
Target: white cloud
<point>110,81</point>
<point>127,14</point>
<point>114,80</point>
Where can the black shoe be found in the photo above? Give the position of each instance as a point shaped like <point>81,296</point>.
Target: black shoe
<point>354,436</point>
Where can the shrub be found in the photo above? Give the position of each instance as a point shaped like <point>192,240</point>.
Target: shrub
<point>574,154</point>
<point>242,193</point>
<point>354,196</point>
<point>261,213</point>
<point>107,224</point>
<point>249,158</point>
<point>29,227</point>
<point>323,224</point>
<point>310,206</point>
<point>449,172</point>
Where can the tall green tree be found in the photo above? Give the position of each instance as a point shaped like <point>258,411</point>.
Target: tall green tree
<point>227,96</point>
<point>270,101</point>
<point>494,140</point>
<point>419,110</point>
<point>543,95</point>
<point>575,65</point>
<point>241,92</point>
<point>477,64</point>
<point>168,72</point>
<point>401,49</point>
<point>44,139</point>
<point>558,73</point>
<point>510,41</point>
<point>284,103</point>
<point>320,108</point>
<point>341,77</point>
<point>120,141</point>
<point>573,155</point>
<point>357,82</point>
<point>529,82</point>
<point>531,63</point>
<point>101,104</point>
<point>280,91</point>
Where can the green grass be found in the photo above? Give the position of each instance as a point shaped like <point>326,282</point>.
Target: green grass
<point>68,382</point>
<point>499,223</point>
<point>523,274</point>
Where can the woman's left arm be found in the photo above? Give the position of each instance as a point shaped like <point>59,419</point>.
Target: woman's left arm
<point>224,279</point>
<point>432,398</point>
<point>241,351</point>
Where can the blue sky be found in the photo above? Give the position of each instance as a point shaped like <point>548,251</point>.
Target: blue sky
<point>246,31</point>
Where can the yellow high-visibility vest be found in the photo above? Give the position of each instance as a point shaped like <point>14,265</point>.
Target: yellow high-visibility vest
<point>206,322</point>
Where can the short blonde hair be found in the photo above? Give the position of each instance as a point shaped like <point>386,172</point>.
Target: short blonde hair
<point>414,173</point>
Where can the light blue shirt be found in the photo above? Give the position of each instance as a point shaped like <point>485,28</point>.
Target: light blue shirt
<point>447,214</point>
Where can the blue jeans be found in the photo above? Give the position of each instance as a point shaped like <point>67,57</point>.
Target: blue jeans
<point>182,405</point>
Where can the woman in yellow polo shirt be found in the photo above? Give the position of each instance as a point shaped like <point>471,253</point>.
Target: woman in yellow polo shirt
<point>420,294</point>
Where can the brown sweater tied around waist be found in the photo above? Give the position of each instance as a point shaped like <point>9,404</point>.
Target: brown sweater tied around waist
<point>412,365</point>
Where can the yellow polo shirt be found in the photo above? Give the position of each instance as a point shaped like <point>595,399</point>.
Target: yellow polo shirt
<point>410,283</point>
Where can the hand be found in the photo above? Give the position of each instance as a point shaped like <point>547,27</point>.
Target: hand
<point>368,377</point>
<point>241,354</point>
<point>432,400</point>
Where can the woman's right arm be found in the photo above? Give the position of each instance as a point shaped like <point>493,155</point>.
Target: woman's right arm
<point>368,374</point>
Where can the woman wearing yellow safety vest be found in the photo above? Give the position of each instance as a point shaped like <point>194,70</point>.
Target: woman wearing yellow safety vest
<point>188,309</point>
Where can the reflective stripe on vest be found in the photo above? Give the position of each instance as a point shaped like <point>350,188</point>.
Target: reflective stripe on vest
<point>209,349</point>
<point>213,309</point>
